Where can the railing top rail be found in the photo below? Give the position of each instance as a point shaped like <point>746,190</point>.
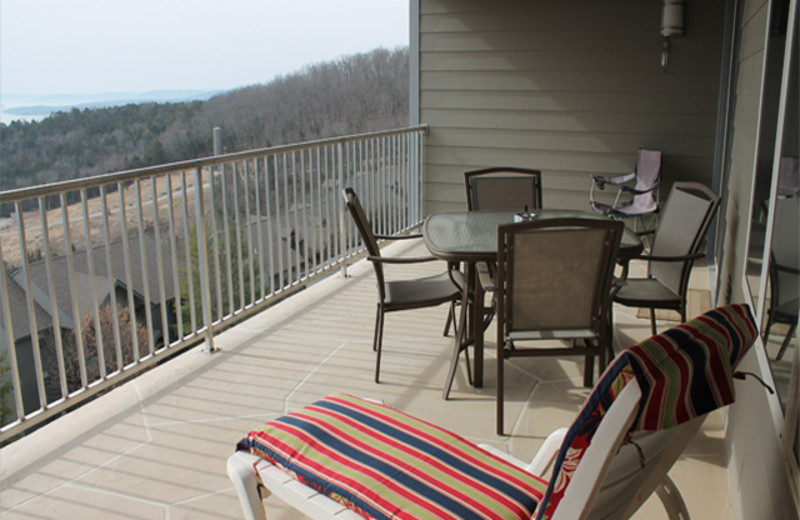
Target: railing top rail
<point>108,178</point>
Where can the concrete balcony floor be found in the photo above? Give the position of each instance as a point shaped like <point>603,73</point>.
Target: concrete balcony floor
<point>156,447</point>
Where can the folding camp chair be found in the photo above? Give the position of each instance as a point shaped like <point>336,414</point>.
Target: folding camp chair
<point>641,198</point>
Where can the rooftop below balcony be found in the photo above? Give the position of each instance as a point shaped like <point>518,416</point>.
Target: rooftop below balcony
<point>156,447</point>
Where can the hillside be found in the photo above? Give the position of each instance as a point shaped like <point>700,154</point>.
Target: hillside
<point>354,94</point>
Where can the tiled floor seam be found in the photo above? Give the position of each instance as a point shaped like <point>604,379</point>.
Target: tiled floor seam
<point>286,407</point>
<point>75,481</point>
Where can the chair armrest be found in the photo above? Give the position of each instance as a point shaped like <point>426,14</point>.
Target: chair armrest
<point>485,276</point>
<point>500,454</point>
<point>456,276</point>
<point>680,258</point>
<point>398,237</point>
<point>547,453</point>
<point>631,189</point>
<point>616,180</point>
<point>401,260</point>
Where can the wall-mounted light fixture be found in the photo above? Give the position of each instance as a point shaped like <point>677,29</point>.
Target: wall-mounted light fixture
<point>671,25</point>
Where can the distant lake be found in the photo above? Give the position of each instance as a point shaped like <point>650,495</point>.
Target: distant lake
<point>37,107</point>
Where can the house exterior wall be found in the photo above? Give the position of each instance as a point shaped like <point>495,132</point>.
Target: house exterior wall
<point>566,87</point>
<point>760,482</point>
<point>576,87</point>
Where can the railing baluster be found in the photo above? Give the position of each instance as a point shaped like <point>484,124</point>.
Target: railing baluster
<point>111,279</point>
<point>73,290</point>
<point>159,264</point>
<point>269,252</point>
<point>259,232</point>
<point>126,255</point>
<point>187,253</point>
<point>237,212</point>
<point>98,328</point>
<point>29,302</point>
<point>12,350</point>
<point>173,257</point>
<point>215,240</point>
<point>281,276</point>
<point>202,259</point>
<point>148,312</point>
<point>54,309</point>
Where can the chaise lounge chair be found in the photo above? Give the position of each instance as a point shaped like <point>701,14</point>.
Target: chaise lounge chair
<point>345,457</point>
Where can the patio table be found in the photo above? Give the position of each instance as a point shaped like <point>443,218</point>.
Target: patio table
<point>471,237</point>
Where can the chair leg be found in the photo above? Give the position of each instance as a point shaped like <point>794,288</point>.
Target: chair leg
<point>451,372</point>
<point>672,500</point>
<point>767,327</point>
<point>451,318</point>
<point>500,386</point>
<point>653,321</point>
<point>603,358</point>
<point>588,366</point>
<point>786,341</point>
<point>245,481</point>
<point>378,345</point>
<point>446,330</point>
<point>459,328</point>
<point>469,368</point>
<point>378,327</point>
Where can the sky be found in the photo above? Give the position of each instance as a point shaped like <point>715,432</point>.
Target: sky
<point>100,46</point>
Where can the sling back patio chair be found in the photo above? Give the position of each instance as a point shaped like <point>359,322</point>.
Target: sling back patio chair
<point>553,283</point>
<point>676,244</point>
<point>784,270</point>
<point>349,458</point>
<point>398,295</point>
<point>503,188</point>
<point>636,200</point>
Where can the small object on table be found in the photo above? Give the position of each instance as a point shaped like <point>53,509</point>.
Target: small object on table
<point>524,216</point>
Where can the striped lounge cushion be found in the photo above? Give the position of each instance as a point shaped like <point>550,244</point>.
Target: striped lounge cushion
<point>385,464</point>
<point>685,372</point>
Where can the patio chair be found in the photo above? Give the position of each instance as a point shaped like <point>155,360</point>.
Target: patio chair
<point>641,199</point>
<point>553,283</point>
<point>399,295</point>
<point>342,455</point>
<point>503,188</point>
<point>684,222</point>
<point>784,270</point>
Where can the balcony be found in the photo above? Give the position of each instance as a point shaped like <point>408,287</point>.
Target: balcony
<point>155,445</point>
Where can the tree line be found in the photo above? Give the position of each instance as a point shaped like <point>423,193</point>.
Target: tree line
<point>354,94</point>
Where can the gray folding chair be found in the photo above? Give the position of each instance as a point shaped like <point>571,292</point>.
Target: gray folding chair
<point>503,188</point>
<point>641,198</point>
<point>684,222</point>
<point>553,282</point>
<point>398,295</point>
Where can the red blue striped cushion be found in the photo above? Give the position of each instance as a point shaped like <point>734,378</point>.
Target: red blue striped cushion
<point>386,464</point>
<point>684,373</point>
<point>688,370</point>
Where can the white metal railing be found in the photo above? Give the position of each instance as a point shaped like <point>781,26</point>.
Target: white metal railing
<point>116,261</point>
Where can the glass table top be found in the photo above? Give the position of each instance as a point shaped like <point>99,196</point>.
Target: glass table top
<point>472,235</point>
